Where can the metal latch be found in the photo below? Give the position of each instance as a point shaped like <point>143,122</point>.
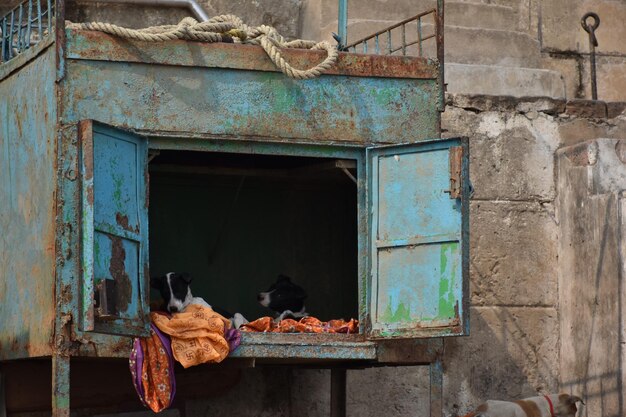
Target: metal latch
<point>456,172</point>
<point>105,296</point>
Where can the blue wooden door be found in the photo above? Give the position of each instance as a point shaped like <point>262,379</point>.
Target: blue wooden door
<point>114,230</point>
<point>418,240</point>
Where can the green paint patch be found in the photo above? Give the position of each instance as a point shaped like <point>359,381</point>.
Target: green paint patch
<point>447,280</point>
<point>402,313</point>
<point>118,182</point>
<point>384,96</point>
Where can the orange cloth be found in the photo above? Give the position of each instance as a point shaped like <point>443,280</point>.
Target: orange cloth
<point>155,377</point>
<point>304,325</point>
<point>197,335</point>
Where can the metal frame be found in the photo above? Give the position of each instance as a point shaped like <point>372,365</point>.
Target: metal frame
<point>66,341</point>
<point>362,46</point>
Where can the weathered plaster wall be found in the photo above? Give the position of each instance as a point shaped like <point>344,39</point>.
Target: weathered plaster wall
<point>532,332</point>
<point>592,209</point>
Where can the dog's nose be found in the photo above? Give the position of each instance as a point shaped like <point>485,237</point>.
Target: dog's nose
<point>173,309</point>
<point>259,297</point>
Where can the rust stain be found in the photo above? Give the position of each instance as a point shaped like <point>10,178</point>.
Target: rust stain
<point>122,221</point>
<point>66,297</point>
<point>456,165</point>
<point>118,273</point>
<point>582,155</point>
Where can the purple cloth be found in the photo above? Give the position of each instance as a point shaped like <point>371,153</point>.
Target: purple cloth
<point>136,363</point>
<point>233,337</point>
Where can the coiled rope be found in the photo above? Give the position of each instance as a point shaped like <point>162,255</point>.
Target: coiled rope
<point>225,28</point>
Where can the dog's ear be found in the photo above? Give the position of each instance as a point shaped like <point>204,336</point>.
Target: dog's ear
<point>573,399</point>
<point>185,277</point>
<point>300,293</point>
<point>283,278</point>
<point>156,282</point>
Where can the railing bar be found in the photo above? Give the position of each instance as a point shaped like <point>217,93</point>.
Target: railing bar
<point>391,51</point>
<point>4,34</point>
<point>389,41</point>
<point>39,18</point>
<point>403,40</point>
<point>419,36</point>
<point>19,29</point>
<point>394,26</point>
<point>49,13</point>
<point>10,39</point>
<point>30,14</point>
<point>364,47</point>
<point>377,46</point>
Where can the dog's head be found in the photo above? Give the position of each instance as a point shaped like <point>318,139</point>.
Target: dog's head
<point>283,295</point>
<point>174,288</point>
<point>566,405</point>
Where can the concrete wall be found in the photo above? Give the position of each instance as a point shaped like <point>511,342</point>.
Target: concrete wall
<point>565,45</point>
<point>525,44</point>
<point>528,335</point>
<point>592,208</point>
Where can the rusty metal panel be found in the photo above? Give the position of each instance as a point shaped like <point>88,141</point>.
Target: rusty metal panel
<point>254,104</point>
<point>115,229</point>
<point>27,218</point>
<point>417,241</point>
<point>99,46</point>
<point>305,346</point>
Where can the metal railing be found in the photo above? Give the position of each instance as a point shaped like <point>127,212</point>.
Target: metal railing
<point>24,26</point>
<point>400,37</point>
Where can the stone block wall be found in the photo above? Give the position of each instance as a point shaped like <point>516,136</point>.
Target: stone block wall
<point>528,334</point>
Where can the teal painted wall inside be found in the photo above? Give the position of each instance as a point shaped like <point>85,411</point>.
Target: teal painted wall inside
<point>284,219</point>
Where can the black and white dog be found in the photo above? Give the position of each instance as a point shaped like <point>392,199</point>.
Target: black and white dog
<point>176,292</point>
<point>285,298</point>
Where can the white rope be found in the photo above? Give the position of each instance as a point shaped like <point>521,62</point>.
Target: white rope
<point>225,28</point>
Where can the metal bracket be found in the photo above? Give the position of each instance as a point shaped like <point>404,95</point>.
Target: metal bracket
<point>456,172</point>
<point>104,298</point>
<point>593,43</point>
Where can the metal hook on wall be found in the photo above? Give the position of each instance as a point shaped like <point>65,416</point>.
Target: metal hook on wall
<point>593,42</point>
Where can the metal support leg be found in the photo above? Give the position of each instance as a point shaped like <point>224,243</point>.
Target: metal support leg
<point>60,385</point>
<point>338,392</point>
<point>436,388</point>
<point>3,403</point>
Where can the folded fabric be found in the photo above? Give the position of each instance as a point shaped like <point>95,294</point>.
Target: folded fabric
<point>152,369</point>
<point>304,325</point>
<point>198,335</point>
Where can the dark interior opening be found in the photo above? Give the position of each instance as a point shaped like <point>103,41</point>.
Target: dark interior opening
<point>237,221</point>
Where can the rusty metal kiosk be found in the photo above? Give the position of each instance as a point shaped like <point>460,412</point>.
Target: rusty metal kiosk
<point>120,157</point>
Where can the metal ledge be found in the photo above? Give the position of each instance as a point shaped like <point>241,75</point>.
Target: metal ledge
<point>98,46</point>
